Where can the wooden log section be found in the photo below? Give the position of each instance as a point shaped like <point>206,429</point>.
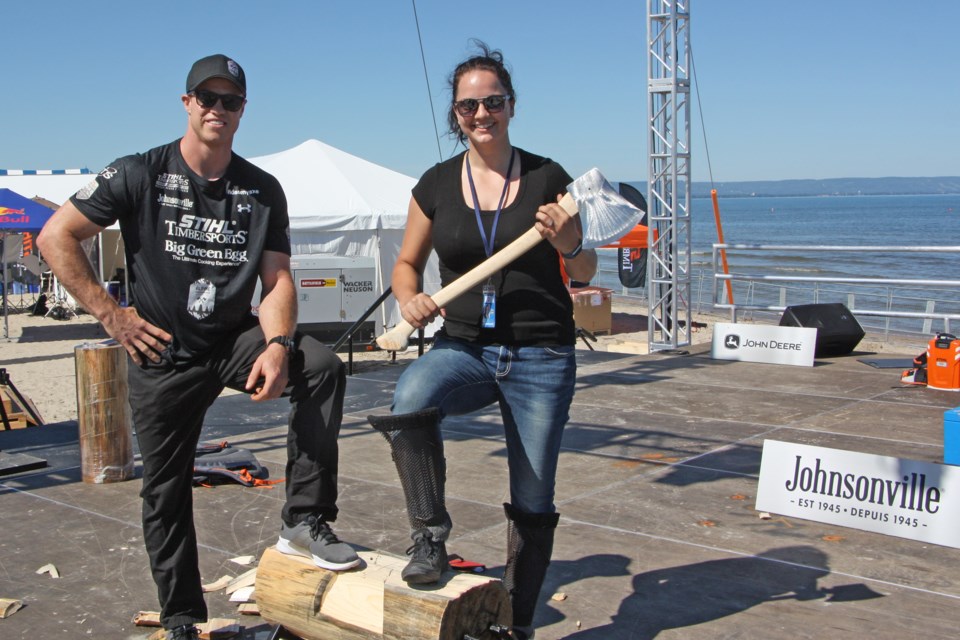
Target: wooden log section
<point>374,603</point>
<point>106,436</point>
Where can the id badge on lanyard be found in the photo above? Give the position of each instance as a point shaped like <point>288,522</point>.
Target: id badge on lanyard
<point>489,305</point>
<point>489,311</point>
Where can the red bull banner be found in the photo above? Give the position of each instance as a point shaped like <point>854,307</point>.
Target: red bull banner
<point>19,214</point>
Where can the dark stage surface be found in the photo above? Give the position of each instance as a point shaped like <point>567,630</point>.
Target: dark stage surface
<point>658,535</point>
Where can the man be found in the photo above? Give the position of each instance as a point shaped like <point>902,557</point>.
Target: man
<point>200,225</point>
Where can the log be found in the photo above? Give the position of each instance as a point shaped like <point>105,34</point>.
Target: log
<point>106,438</point>
<point>374,603</point>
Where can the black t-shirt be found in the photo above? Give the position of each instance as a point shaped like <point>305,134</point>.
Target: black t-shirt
<point>533,307</point>
<point>193,246</point>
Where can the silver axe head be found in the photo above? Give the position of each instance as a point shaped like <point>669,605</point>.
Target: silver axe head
<point>605,216</point>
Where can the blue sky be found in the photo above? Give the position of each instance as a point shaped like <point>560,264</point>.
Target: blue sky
<point>789,89</point>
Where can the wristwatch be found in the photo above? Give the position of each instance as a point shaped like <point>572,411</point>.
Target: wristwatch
<point>576,251</point>
<point>286,342</point>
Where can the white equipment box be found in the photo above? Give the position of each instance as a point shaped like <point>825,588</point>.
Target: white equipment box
<point>333,288</point>
<point>332,293</point>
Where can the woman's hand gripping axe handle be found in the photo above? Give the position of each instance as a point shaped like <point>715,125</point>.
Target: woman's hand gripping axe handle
<point>604,216</point>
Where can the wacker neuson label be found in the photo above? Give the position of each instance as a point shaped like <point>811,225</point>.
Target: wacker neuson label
<point>906,498</point>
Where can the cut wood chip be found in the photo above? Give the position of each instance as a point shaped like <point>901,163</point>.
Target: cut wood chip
<point>147,619</point>
<point>707,523</point>
<point>219,628</point>
<point>833,538</point>
<point>243,560</point>
<point>219,584</point>
<point>249,609</point>
<point>763,515</point>
<point>8,607</point>
<point>559,596</point>
<point>243,580</point>
<point>243,594</point>
<point>49,568</point>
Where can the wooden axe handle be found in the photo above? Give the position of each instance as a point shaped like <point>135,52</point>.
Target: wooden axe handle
<point>396,339</point>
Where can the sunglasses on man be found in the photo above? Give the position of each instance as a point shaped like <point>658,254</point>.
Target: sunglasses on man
<point>469,106</point>
<point>208,99</point>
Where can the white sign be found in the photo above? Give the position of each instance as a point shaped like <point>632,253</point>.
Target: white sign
<point>893,496</point>
<point>764,343</point>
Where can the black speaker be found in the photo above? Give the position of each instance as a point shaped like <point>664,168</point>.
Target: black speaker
<point>838,332</point>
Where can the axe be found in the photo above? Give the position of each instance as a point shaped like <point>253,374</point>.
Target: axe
<point>605,215</point>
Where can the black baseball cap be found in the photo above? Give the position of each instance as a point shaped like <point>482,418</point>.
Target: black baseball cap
<point>216,66</point>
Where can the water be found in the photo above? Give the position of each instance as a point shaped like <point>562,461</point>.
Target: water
<point>932,220</point>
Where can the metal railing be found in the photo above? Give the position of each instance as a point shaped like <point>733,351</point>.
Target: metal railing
<point>875,286</point>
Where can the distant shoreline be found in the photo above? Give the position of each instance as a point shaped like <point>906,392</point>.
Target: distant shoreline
<point>724,194</point>
<point>829,187</point>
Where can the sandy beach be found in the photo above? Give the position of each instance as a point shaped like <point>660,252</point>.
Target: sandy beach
<point>39,359</point>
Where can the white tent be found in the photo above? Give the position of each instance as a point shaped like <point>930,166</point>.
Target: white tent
<point>345,206</point>
<point>339,205</point>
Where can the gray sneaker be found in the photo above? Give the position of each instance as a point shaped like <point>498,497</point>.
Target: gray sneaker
<point>313,538</point>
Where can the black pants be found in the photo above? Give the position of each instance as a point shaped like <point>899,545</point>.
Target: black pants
<point>168,406</point>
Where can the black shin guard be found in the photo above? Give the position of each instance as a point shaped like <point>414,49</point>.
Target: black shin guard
<point>529,547</point>
<point>417,450</point>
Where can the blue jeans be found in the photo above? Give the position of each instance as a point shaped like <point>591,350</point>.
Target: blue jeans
<point>534,386</point>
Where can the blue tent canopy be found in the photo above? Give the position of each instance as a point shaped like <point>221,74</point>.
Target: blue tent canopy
<point>18,214</point>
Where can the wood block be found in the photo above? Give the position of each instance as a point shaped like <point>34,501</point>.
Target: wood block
<point>106,434</point>
<point>33,409</point>
<point>373,602</point>
<point>246,579</point>
<point>8,607</point>
<point>147,619</point>
<point>17,421</point>
<point>12,405</point>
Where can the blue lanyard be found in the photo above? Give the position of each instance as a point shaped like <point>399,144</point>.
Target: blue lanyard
<point>488,245</point>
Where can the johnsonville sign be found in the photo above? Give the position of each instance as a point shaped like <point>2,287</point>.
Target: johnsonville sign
<point>894,496</point>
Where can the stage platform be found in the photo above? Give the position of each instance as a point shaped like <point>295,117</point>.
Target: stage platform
<point>658,536</point>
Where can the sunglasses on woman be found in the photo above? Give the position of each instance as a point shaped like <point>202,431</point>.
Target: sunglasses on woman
<point>209,99</point>
<point>469,106</point>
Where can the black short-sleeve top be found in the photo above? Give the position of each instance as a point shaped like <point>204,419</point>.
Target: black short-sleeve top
<point>533,306</point>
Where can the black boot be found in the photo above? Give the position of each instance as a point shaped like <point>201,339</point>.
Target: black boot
<point>529,547</point>
<point>183,632</point>
<point>417,449</point>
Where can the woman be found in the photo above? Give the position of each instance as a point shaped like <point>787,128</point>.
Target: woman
<point>509,340</point>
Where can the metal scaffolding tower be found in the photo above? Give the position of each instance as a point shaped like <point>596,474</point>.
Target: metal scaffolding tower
<point>668,173</point>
